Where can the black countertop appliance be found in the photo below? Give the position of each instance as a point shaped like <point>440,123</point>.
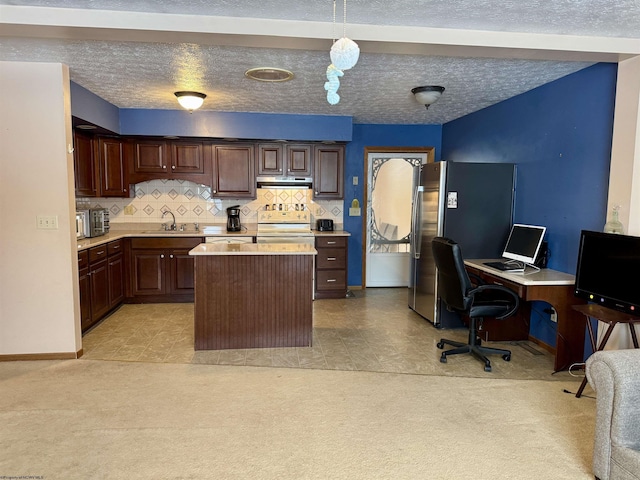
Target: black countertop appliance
<point>233,219</point>
<point>324,225</point>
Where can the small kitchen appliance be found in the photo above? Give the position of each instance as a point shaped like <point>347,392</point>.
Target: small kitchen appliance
<point>233,219</point>
<point>82,220</point>
<point>324,225</point>
<point>95,220</point>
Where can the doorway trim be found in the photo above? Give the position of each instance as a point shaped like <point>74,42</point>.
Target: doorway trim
<point>429,151</point>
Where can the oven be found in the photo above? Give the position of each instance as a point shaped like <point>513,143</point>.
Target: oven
<point>285,226</point>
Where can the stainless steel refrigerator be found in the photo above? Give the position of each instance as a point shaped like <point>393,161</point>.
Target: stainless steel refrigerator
<point>470,203</point>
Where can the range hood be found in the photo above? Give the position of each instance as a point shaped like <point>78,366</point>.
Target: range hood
<point>284,182</point>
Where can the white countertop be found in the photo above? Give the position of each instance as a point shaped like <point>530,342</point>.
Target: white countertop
<point>253,249</point>
<point>530,276</point>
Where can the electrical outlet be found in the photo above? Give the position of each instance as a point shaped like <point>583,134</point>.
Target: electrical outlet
<point>128,210</point>
<point>554,316</point>
<point>355,180</point>
<point>47,222</point>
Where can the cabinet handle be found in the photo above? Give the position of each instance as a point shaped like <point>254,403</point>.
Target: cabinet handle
<point>101,252</point>
<point>161,256</point>
<point>215,191</point>
<point>173,167</point>
<point>331,259</point>
<point>331,243</point>
<point>170,256</point>
<point>329,280</point>
<point>116,247</point>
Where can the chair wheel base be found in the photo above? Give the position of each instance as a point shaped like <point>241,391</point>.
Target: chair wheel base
<point>506,358</point>
<point>487,368</point>
<point>440,345</point>
<point>443,358</point>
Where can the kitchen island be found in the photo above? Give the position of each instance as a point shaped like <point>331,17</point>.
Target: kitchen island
<point>253,295</point>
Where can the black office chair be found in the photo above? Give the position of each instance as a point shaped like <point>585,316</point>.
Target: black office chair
<point>459,295</point>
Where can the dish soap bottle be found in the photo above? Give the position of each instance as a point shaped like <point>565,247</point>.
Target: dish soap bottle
<point>614,225</point>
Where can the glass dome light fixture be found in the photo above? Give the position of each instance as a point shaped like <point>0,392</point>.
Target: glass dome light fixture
<point>427,95</point>
<point>190,100</point>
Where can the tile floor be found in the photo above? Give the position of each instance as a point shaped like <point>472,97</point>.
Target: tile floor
<point>372,331</point>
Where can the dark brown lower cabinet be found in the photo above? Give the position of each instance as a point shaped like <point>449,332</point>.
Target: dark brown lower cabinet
<point>331,266</point>
<point>162,270</point>
<point>101,280</point>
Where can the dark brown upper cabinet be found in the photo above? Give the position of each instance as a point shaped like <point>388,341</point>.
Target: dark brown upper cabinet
<point>161,159</point>
<point>85,166</point>
<point>234,173</point>
<point>328,178</point>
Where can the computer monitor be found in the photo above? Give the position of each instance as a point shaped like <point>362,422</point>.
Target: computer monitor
<point>524,243</point>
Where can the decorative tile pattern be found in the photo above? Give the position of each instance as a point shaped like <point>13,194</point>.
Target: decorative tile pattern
<point>190,202</point>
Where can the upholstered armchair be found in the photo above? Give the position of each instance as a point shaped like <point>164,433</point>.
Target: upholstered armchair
<point>615,376</point>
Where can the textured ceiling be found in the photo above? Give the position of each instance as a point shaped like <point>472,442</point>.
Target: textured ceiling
<point>144,74</point>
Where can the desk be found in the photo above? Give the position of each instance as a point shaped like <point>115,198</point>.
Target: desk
<point>611,318</point>
<point>553,287</point>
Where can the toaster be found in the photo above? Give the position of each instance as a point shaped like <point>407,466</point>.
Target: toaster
<point>324,225</point>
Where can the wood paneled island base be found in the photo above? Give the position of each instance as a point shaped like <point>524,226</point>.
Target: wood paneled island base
<point>248,296</point>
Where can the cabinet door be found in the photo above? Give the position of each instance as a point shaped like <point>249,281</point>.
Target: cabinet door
<point>150,156</point>
<point>234,171</point>
<point>270,159</point>
<point>328,178</point>
<point>113,165</point>
<point>298,160</point>
<point>99,282</point>
<point>148,272</point>
<point>85,166</point>
<point>182,272</point>
<point>187,157</point>
<point>85,298</point>
<point>116,280</point>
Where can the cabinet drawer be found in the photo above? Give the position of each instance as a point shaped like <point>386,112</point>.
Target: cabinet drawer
<point>491,280</point>
<point>165,242</point>
<point>83,259</point>
<point>114,247</point>
<point>97,253</point>
<point>334,258</point>
<point>331,279</point>
<point>331,241</point>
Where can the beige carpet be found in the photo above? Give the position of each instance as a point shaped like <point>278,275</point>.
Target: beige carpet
<point>118,420</point>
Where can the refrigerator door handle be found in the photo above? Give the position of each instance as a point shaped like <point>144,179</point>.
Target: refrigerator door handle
<point>414,245</point>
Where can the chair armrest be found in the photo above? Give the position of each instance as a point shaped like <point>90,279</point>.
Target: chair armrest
<point>499,288</point>
<point>614,375</point>
<point>476,279</point>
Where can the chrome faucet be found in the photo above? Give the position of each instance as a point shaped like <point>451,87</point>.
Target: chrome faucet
<point>173,225</point>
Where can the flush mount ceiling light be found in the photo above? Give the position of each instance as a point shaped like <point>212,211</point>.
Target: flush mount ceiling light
<point>427,95</point>
<point>190,100</point>
<point>269,74</point>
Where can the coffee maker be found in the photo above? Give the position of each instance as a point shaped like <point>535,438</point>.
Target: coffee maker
<point>233,219</point>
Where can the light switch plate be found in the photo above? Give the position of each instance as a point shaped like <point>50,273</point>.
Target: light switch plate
<point>355,180</point>
<point>354,212</point>
<point>47,222</point>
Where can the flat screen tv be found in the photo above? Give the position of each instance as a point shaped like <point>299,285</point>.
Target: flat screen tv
<point>607,271</point>
<point>524,242</point>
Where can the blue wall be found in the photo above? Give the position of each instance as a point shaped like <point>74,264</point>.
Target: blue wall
<point>376,136</point>
<point>559,135</point>
<point>203,123</point>
<point>91,108</point>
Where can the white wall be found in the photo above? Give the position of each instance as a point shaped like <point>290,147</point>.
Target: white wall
<point>624,176</point>
<point>39,306</point>
<point>624,181</point>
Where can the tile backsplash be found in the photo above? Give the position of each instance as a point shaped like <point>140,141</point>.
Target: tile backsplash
<point>192,203</point>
